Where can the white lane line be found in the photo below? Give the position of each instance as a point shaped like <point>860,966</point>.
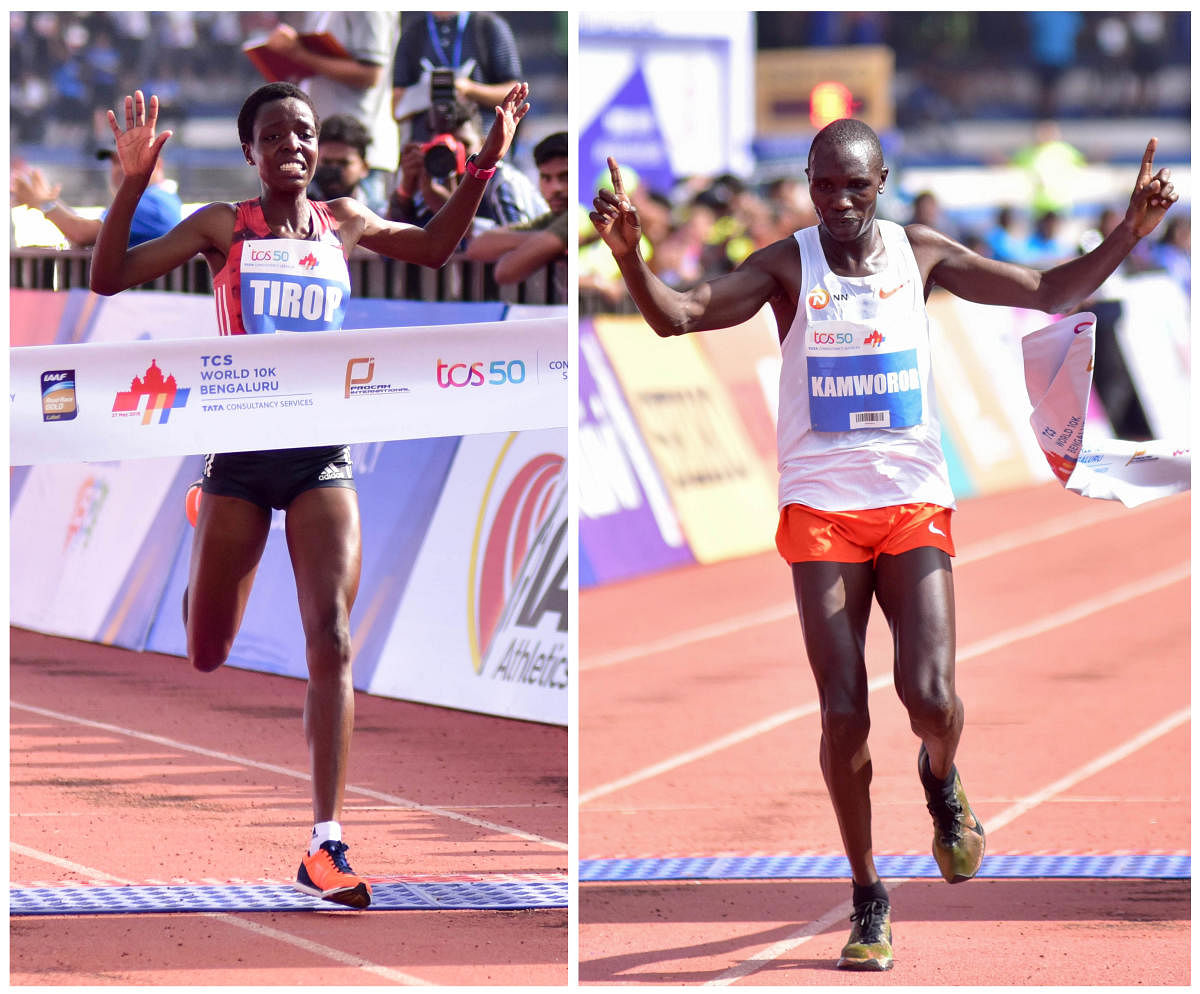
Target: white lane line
<point>308,945</point>
<point>337,955</point>
<point>225,757</point>
<point>842,911</point>
<point>1066,616</point>
<point>1004,542</point>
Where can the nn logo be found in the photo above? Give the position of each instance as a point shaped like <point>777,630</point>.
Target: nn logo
<point>874,339</point>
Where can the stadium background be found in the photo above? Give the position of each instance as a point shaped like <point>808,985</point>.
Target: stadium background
<point>677,438</point>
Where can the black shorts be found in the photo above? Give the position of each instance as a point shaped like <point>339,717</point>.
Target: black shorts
<point>276,477</point>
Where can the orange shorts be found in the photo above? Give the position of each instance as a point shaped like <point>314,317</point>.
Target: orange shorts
<point>808,535</point>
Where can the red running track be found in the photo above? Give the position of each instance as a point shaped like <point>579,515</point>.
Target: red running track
<point>130,767</point>
<point>699,732</point>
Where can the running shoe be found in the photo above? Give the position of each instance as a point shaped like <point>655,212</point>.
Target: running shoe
<point>870,944</point>
<point>327,875</point>
<point>191,501</point>
<point>958,840</point>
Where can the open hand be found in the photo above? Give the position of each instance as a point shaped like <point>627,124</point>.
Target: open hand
<point>1152,195</point>
<point>615,218</point>
<point>137,146</point>
<point>31,188</point>
<point>508,115</point>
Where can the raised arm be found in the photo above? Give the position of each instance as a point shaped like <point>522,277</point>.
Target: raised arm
<point>720,303</point>
<point>115,266</point>
<point>1056,290</point>
<point>31,189</point>
<point>435,243</point>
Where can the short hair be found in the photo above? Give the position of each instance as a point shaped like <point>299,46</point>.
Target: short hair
<point>265,95</point>
<point>845,133</point>
<point>346,129</point>
<point>551,147</point>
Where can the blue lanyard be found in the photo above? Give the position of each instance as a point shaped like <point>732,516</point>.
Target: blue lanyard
<point>458,38</point>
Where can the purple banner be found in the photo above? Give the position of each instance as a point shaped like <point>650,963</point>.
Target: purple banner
<point>627,525</point>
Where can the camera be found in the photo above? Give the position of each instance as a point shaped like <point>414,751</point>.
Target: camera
<point>442,97</point>
<point>444,155</point>
<point>329,179</point>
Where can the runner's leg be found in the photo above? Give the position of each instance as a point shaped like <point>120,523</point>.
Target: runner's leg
<point>228,543</point>
<point>325,543</point>
<point>834,601</point>
<point>916,591</point>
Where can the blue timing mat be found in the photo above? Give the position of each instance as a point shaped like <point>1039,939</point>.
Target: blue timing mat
<point>457,895</point>
<point>782,867</point>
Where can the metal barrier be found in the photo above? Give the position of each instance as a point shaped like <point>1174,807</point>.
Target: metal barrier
<point>371,275</point>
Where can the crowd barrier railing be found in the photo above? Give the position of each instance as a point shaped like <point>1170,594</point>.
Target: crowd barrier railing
<point>371,275</point>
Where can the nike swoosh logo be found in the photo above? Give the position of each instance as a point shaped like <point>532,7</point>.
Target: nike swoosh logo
<point>884,294</point>
<point>936,530</point>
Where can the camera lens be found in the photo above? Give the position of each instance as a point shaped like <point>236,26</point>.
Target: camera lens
<point>440,161</point>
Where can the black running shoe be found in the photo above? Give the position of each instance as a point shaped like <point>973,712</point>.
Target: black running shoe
<point>870,943</point>
<point>958,839</point>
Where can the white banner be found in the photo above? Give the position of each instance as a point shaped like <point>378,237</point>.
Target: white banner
<point>1058,375</point>
<point>106,401</point>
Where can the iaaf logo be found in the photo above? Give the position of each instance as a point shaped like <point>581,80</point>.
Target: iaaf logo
<point>58,395</point>
<point>496,558</point>
<point>472,374</point>
<point>159,393</point>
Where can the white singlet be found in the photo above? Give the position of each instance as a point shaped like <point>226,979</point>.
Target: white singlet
<point>858,425</point>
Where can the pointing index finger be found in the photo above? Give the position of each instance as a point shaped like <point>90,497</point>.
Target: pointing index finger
<point>614,171</point>
<point>1147,169</point>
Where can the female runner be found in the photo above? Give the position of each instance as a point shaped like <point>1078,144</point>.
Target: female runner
<point>278,129</point>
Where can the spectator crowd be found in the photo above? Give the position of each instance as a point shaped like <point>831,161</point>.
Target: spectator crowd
<point>405,99</point>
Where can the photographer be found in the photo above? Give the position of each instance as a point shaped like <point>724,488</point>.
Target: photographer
<point>430,171</point>
<point>342,163</point>
<point>476,48</point>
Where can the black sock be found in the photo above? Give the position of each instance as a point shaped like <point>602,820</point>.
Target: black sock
<point>931,782</point>
<point>871,892</point>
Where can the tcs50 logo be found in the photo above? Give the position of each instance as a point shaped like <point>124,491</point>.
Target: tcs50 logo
<point>472,374</point>
<point>269,255</point>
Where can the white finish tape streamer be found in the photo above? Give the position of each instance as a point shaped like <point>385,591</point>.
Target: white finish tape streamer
<point>127,400</point>
<point>1058,375</point>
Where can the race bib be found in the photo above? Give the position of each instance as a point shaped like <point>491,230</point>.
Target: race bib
<point>858,379</point>
<point>290,285</point>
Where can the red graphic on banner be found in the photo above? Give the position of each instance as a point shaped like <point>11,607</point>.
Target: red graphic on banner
<point>520,514</point>
<point>159,393</point>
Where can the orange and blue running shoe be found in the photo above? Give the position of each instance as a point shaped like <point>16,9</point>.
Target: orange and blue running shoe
<point>326,874</point>
<point>870,943</point>
<point>191,502</point>
<point>958,839</point>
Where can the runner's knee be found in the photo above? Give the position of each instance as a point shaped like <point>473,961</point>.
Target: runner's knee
<point>329,646</point>
<point>845,729</point>
<point>932,709</point>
